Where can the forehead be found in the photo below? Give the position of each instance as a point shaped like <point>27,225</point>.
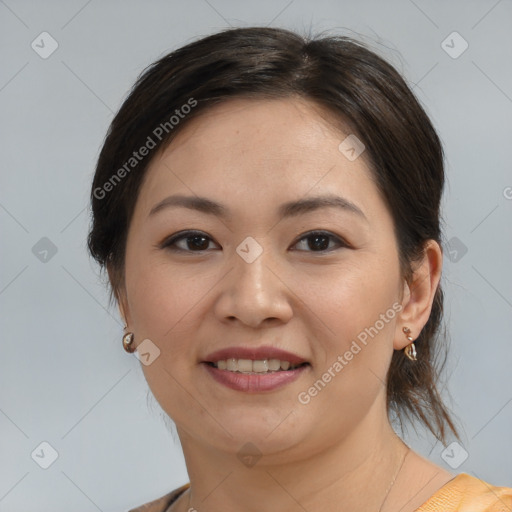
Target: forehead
<point>261,150</point>
<point>240,124</point>
<point>285,133</point>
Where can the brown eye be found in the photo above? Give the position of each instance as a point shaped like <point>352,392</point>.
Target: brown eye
<point>194,241</point>
<point>318,241</point>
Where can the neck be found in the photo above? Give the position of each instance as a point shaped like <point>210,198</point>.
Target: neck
<point>356,473</point>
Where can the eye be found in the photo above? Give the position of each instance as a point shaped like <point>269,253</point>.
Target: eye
<point>194,241</point>
<point>319,241</point>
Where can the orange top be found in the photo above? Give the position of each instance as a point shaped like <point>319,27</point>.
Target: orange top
<point>464,493</point>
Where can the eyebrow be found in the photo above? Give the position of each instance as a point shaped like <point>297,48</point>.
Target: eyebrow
<point>286,210</point>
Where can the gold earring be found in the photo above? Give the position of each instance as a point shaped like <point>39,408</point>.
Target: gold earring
<point>410,350</point>
<point>127,342</point>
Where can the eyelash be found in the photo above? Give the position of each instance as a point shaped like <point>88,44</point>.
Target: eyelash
<point>169,243</point>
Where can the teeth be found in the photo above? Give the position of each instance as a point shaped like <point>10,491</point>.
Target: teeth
<point>244,365</point>
<point>274,364</point>
<point>250,366</point>
<point>258,366</point>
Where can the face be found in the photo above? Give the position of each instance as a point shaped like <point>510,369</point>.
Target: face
<point>320,282</point>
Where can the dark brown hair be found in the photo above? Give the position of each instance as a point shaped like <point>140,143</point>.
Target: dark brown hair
<point>346,79</point>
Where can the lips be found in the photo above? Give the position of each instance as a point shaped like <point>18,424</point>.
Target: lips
<point>252,383</point>
<point>254,353</point>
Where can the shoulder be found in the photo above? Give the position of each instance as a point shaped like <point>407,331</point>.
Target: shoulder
<point>466,493</point>
<point>163,503</point>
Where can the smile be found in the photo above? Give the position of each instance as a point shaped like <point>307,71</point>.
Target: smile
<point>252,381</point>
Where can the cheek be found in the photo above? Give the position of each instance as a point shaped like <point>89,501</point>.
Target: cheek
<point>163,297</point>
<point>354,308</point>
<point>350,294</point>
<point>354,348</point>
<point>165,304</point>
<point>168,305</point>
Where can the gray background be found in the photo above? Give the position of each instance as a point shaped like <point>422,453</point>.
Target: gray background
<point>64,377</point>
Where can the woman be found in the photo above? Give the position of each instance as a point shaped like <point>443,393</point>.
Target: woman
<point>267,209</point>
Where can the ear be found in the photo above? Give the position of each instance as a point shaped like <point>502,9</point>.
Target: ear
<point>120,294</point>
<point>418,295</point>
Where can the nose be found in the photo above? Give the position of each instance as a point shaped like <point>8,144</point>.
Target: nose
<point>254,293</point>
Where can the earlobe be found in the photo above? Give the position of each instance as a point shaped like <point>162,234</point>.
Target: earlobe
<point>124,316</point>
<point>119,295</point>
<point>122,303</point>
<point>419,294</point>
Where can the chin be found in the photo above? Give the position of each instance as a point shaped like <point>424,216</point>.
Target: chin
<point>271,429</point>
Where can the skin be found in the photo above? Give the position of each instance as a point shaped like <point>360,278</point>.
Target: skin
<point>338,452</point>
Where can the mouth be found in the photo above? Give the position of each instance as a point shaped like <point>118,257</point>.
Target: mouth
<point>255,367</point>
<point>251,381</point>
<point>264,359</point>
